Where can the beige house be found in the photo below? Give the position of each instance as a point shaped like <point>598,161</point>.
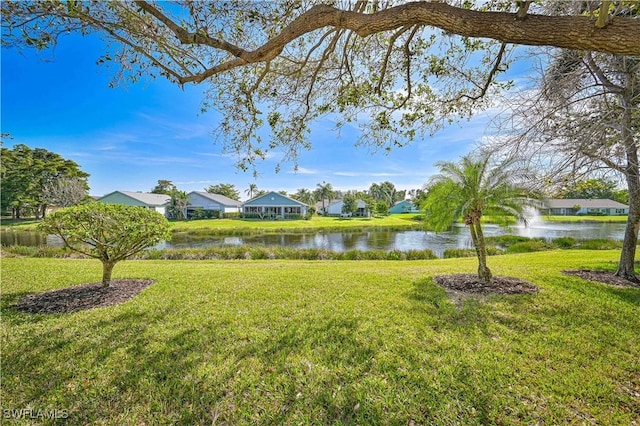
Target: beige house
<point>579,207</point>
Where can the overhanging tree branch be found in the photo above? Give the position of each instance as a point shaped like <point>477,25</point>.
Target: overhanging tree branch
<point>573,32</point>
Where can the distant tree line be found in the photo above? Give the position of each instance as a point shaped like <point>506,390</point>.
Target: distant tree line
<point>35,179</point>
<point>594,188</point>
<point>379,197</point>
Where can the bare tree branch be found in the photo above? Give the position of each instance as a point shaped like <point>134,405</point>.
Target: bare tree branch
<point>385,62</point>
<point>490,76</point>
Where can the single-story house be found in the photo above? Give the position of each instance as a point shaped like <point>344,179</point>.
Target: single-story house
<point>157,202</point>
<point>273,205</point>
<point>404,206</point>
<point>200,200</point>
<point>327,203</point>
<point>572,207</point>
<point>335,208</point>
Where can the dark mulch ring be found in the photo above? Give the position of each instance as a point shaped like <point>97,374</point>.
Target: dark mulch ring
<point>469,283</point>
<point>82,297</point>
<point>604,277</point>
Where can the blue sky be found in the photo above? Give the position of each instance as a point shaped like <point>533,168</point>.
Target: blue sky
<point>128,137</point>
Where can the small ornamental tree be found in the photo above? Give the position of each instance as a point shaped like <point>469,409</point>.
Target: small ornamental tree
<point>473,187</point>
<point>109,232</point>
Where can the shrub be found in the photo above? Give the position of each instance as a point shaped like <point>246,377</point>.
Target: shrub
<point>396,255</point>
<point>420,254</point>
<point>600,244</point>
<point>258,253</point>
<point>108,232</point>
<point>352,255</point>
<point>529,246</point>
<point>506,240</point>
<point>565,242</point>
<point>494,251</point>
<point>458,252</point>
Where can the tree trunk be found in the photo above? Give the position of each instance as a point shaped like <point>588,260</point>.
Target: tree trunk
<point>484,273</point>
<point>107,269</point>
<point>628,253</point>
<point>632,174</point>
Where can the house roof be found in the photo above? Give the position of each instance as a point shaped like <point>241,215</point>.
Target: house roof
<point>361,204</point>
<point>327,203</point>
<point>218,198</point>
<point>273,194</point>
<point>585,203</point>
<point>145,197</point>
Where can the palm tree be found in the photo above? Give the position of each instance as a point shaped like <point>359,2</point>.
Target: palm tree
<point>324,191</point>
<point>303,195</point>
<point>253,188</point>
<point>470,188</point>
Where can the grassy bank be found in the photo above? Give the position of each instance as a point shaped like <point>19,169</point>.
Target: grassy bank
<point>252,226</point>
<point>585,219</point>
<point>20,224</point>
<point>324,342</point>
<point>399,222</point>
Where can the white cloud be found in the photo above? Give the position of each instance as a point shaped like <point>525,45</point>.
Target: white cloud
<point>303,171</point>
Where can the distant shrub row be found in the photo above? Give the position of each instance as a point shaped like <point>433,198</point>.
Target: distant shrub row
<point>235,253</point>
<point>510,244</point>
<point>258,253</point>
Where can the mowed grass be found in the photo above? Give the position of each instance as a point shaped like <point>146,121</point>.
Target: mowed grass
<point>399,221</point>
<point>584,219</point>
<point>326,342</point>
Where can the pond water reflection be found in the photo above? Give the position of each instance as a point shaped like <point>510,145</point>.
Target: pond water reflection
<point>457,237</point>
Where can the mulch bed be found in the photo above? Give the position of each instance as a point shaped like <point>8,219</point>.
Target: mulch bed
<point>82,297</point>
<point>470,284</point>
<point>604,277</point>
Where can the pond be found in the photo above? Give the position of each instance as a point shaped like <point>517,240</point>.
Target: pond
<point>458,237</point>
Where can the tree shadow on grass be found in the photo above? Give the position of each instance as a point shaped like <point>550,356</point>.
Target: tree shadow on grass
<point>82,297</point>
<point>606,281</point>
<point>156,368</point>
<point>10,315</point>
<point>464,311</point>
<point>447,309</point>
<point>627,295</point>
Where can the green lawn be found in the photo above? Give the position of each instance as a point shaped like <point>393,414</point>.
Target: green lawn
<point>326,342</point>
<point>397,221</point>
<point>611,219</point>
<point>22,224</point>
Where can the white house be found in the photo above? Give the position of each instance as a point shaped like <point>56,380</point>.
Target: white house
<point>157,202</point>
<point>335,208</point>
<point>571,207</point>
<point>205,201</point>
